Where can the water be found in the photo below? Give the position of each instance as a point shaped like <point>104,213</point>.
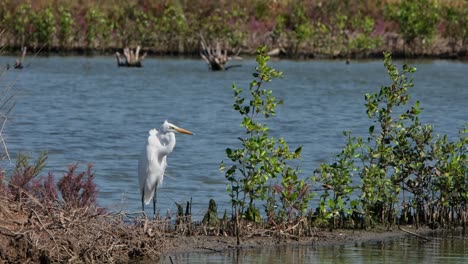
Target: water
<point>443,249</point>
<point>82,109</point>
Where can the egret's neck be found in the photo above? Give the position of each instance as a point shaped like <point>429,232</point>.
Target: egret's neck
<point>168,142</point>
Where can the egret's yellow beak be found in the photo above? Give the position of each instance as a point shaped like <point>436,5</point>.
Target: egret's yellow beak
<point>183,131</point>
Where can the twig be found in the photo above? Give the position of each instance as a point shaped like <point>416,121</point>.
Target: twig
<point>43,226</point>
<point>2,139</point>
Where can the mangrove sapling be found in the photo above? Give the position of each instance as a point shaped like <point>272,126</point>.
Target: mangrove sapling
<point>336,203</point>
<point>260,158</point>
<point>449,200</point>
<point>398,157</point>
<point>380,175</point>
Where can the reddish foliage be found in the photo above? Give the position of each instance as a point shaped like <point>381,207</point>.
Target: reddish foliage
<point>21,181</point>
<point>78,190</point>
<point>43,188</point>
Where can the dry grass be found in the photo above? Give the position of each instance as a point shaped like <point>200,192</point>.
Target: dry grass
<point>32,232</point>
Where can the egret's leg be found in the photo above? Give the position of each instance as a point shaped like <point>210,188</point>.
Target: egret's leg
<point>143,200</point>
<point>155,198</point>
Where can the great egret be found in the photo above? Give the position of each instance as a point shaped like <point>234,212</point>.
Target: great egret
<point>152,161</point>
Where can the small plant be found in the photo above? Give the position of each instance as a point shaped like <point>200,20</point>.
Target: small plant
<point>400,165</point>
<point>78,190</point>
<point>385,157</point>
<point>336,201</point>
<point>289,199</point>
<point>21,180</point>
<point>450,179</point>
<point>260,158</point>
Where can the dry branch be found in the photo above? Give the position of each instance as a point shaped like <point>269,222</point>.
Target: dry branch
<point>130,58</point>
<point>19,62</point>
<point>215,58</point>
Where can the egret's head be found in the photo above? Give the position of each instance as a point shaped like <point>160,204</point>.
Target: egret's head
<point>168,127</point>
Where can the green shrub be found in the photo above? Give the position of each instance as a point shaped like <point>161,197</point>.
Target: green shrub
<point>261,157</point>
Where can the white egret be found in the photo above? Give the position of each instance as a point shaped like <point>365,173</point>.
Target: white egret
<point>152,163</point>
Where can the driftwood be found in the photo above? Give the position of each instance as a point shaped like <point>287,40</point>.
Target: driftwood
<point>19,62</point>
<point>216,58</point>
<point>130,58</point>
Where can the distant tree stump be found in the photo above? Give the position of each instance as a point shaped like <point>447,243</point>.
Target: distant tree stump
<point>19,62</point>
<point>130,58</point>
<point>215,58</point>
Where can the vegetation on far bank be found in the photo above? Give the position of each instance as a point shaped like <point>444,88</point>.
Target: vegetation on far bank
<point>298,28</point>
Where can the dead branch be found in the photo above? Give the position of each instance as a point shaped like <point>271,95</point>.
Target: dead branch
<point>216,58</point>
<point>130,58</point>
<point>19,62</point>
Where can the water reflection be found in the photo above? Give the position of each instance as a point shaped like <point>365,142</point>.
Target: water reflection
<point>442,248</point>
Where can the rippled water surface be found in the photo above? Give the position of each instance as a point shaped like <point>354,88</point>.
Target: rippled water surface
<point>441,249</point>
<point>87,110</point>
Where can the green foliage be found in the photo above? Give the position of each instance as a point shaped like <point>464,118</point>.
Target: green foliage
<point>364,41</point>
<point>416,18</point>
<point>456,19</point>
<point>65,29</point>
<point>450,171</point>
<point>260,158</point>
<point>289,200</point>
<point>97,26</point>
<point>400,165</point>
<point>211,216</point>
<point>44,22</point>
<point>173,21</point>
<point>335,28</point>
<point>337,179</point>
<point>21,20</point>
<point>391,155</point>
<point>301,24</point>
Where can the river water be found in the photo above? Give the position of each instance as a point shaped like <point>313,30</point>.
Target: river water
<point>86,110</point>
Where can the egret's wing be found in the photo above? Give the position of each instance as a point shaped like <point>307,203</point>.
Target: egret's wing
<point>148,158</point>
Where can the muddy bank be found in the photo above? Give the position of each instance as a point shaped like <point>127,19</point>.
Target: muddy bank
<point>208,244</point>
<point>31,231</point>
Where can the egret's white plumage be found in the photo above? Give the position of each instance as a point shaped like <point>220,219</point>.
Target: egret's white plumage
<point>152,163</point>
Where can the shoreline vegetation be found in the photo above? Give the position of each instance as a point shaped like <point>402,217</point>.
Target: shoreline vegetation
<point>296,29</point>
